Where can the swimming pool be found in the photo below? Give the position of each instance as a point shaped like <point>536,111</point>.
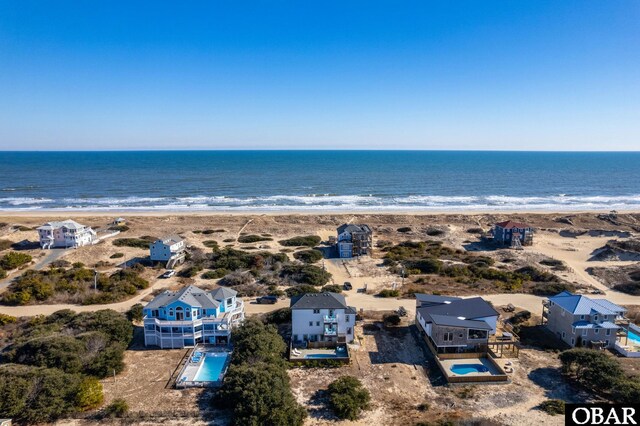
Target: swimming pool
<point>468,368</point>
<point>212,367</point>
<point>333,355</point>
<point>633,337</point>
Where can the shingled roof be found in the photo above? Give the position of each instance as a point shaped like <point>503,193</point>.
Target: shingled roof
<point>456,312</point>
<point>325,300</point>
<point>509,224</point>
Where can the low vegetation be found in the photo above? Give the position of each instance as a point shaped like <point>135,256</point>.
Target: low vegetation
<point>116,256</point>
<point>389,293</point>
<point>308,241</point>
<point>50,368</point>
<point>248,239</point>
<point>75,285</point>
<point>211,244</point>
<point>141,243</point>
<point>553,407</point>
<point>257,387</point>
<point>348,397</point>
<point>14,260</point>
<point>308,256</point>
<point>305,274</point>
<point>601,374</point>
<point>5,244</point>
<point>434,258</point>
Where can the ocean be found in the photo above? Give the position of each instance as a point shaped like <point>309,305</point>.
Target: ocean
<point>264,181</point>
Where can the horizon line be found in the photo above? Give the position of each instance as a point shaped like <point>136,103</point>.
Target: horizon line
<point>310,150</point>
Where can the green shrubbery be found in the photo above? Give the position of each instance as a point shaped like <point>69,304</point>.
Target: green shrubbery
<point>257,386</point>
<point>348,397</point>
<point>248,239</point>
<point>142,242</point>
<point>13,260</point>
<point>135,313</point>
<point>211,244</point>
<point>279,316</point>
<point>215,274</point>
<point>308,241</point>
<point>552,406</point>
<point>76,283</point>
<point>308,256</point>
<point>116,256</point>
<point>121,228</point>
<point>7,319</point>
<point>190,271</point>
<point>50,369</point>
<point>299,290</point>
<point>332,288</point>
<point>117,408</point>
<point>305,274</point>
<point>404,229</point>
<point>389,293</point>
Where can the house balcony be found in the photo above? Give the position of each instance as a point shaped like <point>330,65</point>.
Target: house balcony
<point>330,319</point>
<point>330,331</point>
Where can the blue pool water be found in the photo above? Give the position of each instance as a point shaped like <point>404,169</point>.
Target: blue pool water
<point>468,368</point>
<point>320,356</point>
<point>634,337</point>
<point>212,367</point>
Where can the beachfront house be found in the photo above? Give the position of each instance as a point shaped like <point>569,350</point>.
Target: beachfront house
<point>579,320</point>
<point>513,234</point>
<point>178,319</point>
<point>66,233</point>
<point>354,240</point>
<point>452,324</point>
<point>322,319</point>
<point>169,250</point>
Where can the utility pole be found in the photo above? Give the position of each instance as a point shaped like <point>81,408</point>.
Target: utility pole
<point>95,284</point>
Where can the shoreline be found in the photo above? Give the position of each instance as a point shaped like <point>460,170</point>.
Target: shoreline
<point>319,212</point>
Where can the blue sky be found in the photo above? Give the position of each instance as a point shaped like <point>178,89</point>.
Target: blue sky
<point>513,74</point>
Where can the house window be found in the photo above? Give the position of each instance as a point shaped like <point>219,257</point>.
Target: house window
<point>563,334</point>
<point>595,318</point>
<point>310,323</point>
<point>608,333</point>
<point>597,331</point>
<point>573,341</point>
<point>573,330</point>
<point>581,317</point>
<point>447,337</point>
<point>349,331</point>
<point>316,311</point>
<point>584,332</point>
<point>318,323</point>
<point>346,318</point>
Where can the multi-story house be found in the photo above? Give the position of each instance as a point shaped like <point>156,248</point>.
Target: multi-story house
<point>170,250</point>
<point>178,319</point>
<point>581,321</point>
<point>67,233</point>
<point>354,240</point>
<point>451,324</point>
<point>514,234</point>
<point>322,318</point>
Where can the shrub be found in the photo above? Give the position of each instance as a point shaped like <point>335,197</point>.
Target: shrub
<point>117,408</point>
<point>551,289</point>
<point>332,288</point>
<point>592,369</point>
<point>116,256</point>
<point>77,265</point>
<point>237,278</point>
<point>305,274</point>
<point>474,230</point>
<point>191,271</point>
<point>309,241</point>
<point>308,256</point>
<point>404,229</point>
<point>7,319</point>
<point>13,260</point>
<point>389,293</point>
<point>135,313</point>
<point>215,274</point>
<point>90,394</point>
<point>391,319</point>
<point>299,290</point>
<point>3,273</point>
<point>434,232</point>
<point>348,397</point>
<point>211,244</point>
<point>229,240</point>
<point>142,242</point>
<point>248,239</point>
<point>552,406</point>
<point>279,316</point>
<point>520,317</point>
<point>121,228</point>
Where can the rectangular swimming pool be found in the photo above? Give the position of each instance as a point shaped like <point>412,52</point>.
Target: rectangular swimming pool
<point>212,367</point>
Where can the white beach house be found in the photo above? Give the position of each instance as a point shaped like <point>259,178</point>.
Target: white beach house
<point>322,318</point>
<point>67,233</point>
<point>178,319</point>
<point>169,249</point>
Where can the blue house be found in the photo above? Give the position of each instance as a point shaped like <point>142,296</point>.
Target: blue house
<point>183,318</point>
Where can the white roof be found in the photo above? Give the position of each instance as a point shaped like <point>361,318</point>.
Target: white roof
<point>69,224</point>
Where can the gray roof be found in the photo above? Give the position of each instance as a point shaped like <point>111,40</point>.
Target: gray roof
<point>432,299</point>
<point>69,224</point>
<point>190,295</point>
<point>458,312</point>
<point>353,228</point>
<point>319,301</point>
<point>221,293</point>
<point>582,305</point>
<point>454,321</point>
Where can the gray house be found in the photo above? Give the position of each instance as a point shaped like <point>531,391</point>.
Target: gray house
<point>169,249</point>
<point>452,324</point>
<point>581,321</point>
<point>354,240</point>
<point>513,234</point>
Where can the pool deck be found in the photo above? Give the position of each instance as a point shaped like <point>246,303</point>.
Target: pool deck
<point>328,353</point>
<point>494,373</point>
<point>187,375</point>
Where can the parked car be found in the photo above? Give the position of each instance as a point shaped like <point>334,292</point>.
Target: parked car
<point>267,300</point>
<point>347,285</point>
<point>169,273</point>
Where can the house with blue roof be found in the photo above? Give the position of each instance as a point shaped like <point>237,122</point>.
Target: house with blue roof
<point>184,318</point>
<point>579,320</point>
